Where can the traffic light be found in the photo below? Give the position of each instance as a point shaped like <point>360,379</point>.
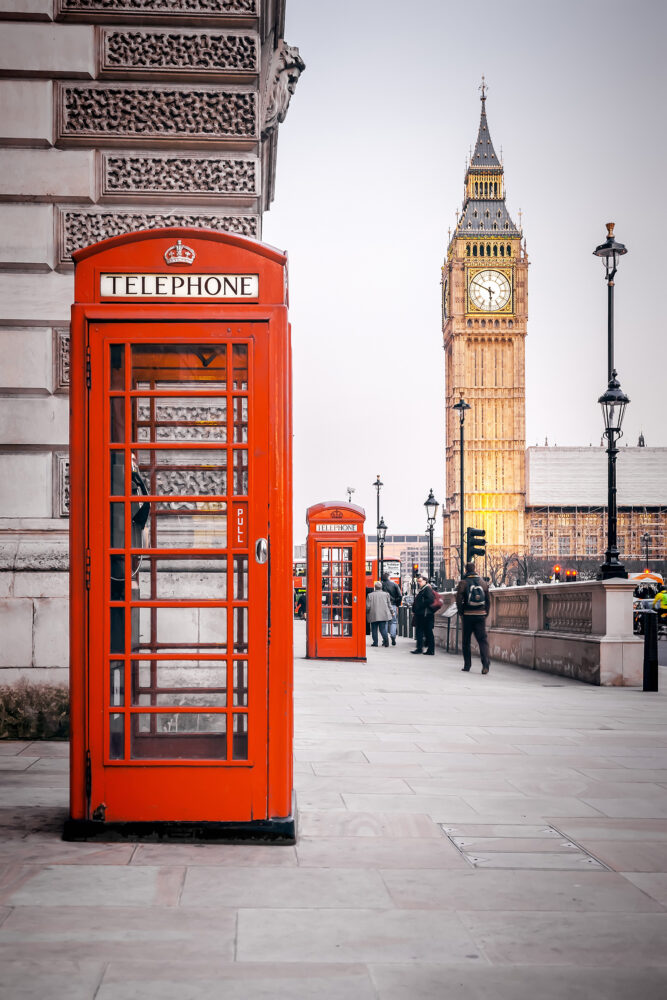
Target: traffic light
<point>415,570</point>
<point>475,543</point>
<point>556,574</point>
<point>573,576</point>
<point>568,575</point>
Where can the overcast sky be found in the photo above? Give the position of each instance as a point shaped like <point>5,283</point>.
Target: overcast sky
<point>371,162</point>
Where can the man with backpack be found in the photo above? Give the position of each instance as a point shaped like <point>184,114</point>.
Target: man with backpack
<point>473,602</point>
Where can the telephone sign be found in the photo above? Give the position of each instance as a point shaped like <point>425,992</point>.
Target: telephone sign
<point>181,707</point>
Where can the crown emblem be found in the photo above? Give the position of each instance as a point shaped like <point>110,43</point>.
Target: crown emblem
<point>180,254</point>
<point>336,515</point>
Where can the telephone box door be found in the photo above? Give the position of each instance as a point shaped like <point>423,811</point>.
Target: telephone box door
<point>178,601</point>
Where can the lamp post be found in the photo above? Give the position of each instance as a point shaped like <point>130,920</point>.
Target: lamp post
<point>382,531</point>
<point>646,539</point>
<point>431,505</point>
<point>610,251</point>
<point>461,406</point>
<point>378,484</point>
<point>613,403</point>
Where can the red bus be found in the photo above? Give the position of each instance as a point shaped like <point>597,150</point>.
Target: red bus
<point>298,582</point>
<point>391,566</point>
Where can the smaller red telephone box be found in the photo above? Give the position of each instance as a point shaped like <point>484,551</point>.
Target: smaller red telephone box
<point>336,594</point>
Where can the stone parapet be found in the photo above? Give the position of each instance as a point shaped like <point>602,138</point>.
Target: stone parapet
<point>581,630</point>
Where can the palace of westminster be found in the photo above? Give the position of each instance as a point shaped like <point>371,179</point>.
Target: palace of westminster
<point>544,503</point>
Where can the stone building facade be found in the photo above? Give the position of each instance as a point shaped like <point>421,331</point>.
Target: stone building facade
<point>543,503</point>
<point>115,115</point>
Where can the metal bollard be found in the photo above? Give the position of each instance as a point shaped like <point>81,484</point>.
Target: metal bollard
<point>650,651</point>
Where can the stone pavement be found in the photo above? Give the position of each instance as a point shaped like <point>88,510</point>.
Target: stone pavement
<point>465,837</point>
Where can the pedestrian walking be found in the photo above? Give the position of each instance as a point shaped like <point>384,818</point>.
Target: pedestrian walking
<point>473,602</point>
<point>424,612</point>
<point>378,612</point>
<point>396,600</point>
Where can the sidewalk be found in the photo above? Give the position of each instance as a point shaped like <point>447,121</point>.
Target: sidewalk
<point>462,837</point>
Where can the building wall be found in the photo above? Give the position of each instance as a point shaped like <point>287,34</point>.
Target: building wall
<point>115,115</point>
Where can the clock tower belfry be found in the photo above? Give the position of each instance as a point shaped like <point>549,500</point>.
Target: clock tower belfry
<point>484,321</point>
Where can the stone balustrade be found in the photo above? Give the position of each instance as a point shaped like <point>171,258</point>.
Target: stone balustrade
<point>581,630</point>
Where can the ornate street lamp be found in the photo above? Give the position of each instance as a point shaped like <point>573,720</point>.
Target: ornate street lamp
<point>610,251</point>
<point>378,484</point>
<point>646,539</point>
<point>613,403</point>
<point>382,531</point>
<point>461,406</point>
<point>431,505</point>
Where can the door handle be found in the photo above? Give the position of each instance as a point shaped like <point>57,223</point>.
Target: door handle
<point>261,550</point>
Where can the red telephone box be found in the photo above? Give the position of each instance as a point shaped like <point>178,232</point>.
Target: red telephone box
<point>180,474</point>
<point>335,575</point>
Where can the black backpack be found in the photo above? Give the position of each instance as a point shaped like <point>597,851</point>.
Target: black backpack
<point>475,596</point>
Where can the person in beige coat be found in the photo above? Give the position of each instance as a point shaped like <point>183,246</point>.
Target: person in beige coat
<point>378,612</point>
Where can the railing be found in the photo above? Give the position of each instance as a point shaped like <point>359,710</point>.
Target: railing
<point>581,630</point>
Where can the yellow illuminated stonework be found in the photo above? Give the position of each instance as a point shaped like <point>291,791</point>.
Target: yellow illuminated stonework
<point>484,324</point>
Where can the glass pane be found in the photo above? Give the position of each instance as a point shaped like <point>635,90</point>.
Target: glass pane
<point>240,737</point>
<point>179,736</point>
<point>171,366</point>
<point>117,366</point>
<point>240,630</point>
<point>165,679</point>
<point>240,419</point>
<point>117,630</point>
<point>117,682</point>
<point>180,419</point>
<point>240,472</point>
<point>240,366</point>
<point>182,628</point>
<point>240,578</point>
<point>117,525</point>
<point>184,472</point>
<point>188,529</point>
<point>183,579</point>
<point>117,473</point>
<point>117,574</point>
<point>117,419</point>
<point>116,737</point>
<point>240,694</point>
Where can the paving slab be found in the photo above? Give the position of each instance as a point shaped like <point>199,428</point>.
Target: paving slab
<point>361,935</point>
<point>485,889</point>
<point>185,980</point>
<point>593,939</point>
<point>426,982</point>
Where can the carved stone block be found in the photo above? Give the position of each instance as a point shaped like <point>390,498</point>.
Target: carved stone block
<point>188,177</point>
<point>61,377</point>
<point>61,484</point>
<point>147,10</point>
<point>78,228</point>
<point>115,113</point>
<point>174,53</point>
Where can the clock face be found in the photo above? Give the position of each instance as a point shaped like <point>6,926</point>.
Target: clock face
<point>489,290</point>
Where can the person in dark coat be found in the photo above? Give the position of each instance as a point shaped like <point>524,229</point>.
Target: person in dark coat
<point>423,612</point>
<point>396,599</point>
<point>473,602</point>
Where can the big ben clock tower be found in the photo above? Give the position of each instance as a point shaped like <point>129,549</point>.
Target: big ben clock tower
<point>484,319</point>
